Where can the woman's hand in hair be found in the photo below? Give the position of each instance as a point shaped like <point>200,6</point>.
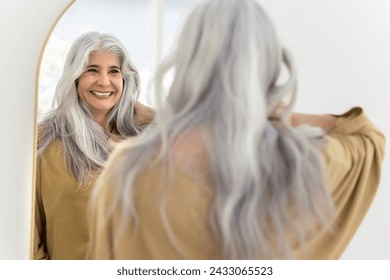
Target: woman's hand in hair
<point>277,111</point>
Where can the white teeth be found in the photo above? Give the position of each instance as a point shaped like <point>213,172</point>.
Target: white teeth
<point>102,94</point>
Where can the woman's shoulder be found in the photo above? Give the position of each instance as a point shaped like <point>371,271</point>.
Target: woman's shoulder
<point>53,150</point>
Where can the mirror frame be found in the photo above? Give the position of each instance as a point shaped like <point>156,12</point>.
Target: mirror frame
<point>38,72</point>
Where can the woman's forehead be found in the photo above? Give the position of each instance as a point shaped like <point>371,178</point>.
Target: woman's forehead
<point>104,57</point>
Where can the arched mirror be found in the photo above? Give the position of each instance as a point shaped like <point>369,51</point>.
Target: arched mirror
<point>146,28</point>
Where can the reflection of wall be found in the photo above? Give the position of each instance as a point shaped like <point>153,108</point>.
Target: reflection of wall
<point>343,59</point>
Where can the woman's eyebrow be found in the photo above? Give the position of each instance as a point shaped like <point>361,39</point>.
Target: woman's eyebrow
<point>98,66</point>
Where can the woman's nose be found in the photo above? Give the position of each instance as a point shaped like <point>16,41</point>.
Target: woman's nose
<point>103,80</point>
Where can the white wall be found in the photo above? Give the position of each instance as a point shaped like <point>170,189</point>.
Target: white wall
<point>342,50</point>
<point>24,25</point>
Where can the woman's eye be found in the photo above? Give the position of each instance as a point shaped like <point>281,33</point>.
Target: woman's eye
<point>115,72</point>
<point>91,70</point>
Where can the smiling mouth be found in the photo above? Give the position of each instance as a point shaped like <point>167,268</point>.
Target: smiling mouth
<point>102,94</point>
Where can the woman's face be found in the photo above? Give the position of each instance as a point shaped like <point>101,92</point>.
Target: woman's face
<point>100,86</point>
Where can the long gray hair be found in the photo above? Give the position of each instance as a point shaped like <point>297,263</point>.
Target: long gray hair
<point>269,185</point>
<point>69,120</point>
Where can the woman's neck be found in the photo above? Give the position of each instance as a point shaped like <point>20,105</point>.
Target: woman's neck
<point>101,120</point>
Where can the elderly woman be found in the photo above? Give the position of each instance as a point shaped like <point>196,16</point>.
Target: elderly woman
<point>95,107</point>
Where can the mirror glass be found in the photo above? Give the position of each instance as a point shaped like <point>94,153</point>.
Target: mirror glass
<point>127,20</point>
<point>147,28</point>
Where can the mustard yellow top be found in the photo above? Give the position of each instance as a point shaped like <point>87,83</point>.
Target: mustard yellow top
<point>61,204</point>
<point>61,225</point>
<point>354,155</point>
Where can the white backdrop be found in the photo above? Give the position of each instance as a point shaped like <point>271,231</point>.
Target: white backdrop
<point>342,48</point>
<point>343,53</point>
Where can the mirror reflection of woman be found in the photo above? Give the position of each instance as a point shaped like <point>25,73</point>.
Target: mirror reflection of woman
<point>95,107</point>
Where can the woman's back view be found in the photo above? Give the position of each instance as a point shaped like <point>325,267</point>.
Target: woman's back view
<point>222,175</point>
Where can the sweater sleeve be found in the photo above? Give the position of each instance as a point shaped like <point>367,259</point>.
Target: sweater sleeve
<point>354,156</point>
